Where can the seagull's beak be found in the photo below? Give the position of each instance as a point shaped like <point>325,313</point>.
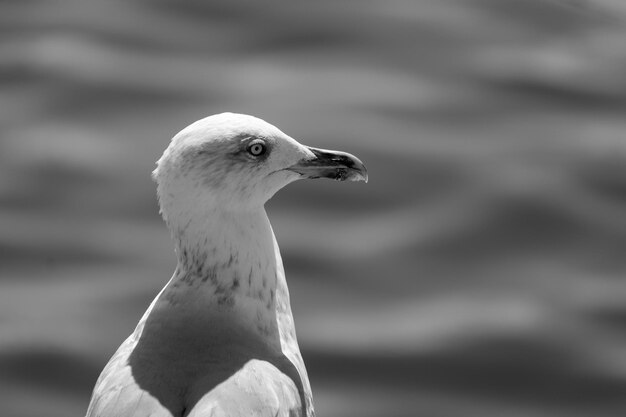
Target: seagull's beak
<point>340,166</point>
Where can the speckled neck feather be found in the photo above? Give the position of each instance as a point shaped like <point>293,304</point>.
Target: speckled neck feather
<point>229,260</point>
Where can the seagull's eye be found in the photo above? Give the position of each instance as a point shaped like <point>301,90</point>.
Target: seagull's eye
<point>257,148</point>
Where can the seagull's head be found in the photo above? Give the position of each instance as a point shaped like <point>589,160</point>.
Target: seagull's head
<point>237,162</point>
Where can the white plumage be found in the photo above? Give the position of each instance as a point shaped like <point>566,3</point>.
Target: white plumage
<point>219,339</point>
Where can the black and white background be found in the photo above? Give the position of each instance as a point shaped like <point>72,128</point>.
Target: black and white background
<point>481,272</point>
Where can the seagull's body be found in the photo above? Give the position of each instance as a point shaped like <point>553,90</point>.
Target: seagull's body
<point>219,339</point>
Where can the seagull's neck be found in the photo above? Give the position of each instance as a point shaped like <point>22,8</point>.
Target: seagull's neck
<point>228,266</point>
<point>229,278</point>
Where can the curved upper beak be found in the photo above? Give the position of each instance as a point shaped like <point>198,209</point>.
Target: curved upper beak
<point>337,165</point>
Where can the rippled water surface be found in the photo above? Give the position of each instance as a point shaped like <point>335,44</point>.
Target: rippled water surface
<point>479,273</point>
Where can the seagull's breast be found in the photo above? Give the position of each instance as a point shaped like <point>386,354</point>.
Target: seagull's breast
<point>235,384</point>
<point>259,388</point>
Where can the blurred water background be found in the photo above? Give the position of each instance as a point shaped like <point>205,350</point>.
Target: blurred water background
<point>479,273</point>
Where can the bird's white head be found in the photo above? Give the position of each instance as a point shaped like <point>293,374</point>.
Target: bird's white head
<point>237,162</point>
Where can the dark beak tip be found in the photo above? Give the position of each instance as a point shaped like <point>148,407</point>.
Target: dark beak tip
<point>337,165</point>
<point>357,173</point>
<point>361,177</point>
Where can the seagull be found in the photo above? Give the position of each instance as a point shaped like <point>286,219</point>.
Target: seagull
<point>219,339</point>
